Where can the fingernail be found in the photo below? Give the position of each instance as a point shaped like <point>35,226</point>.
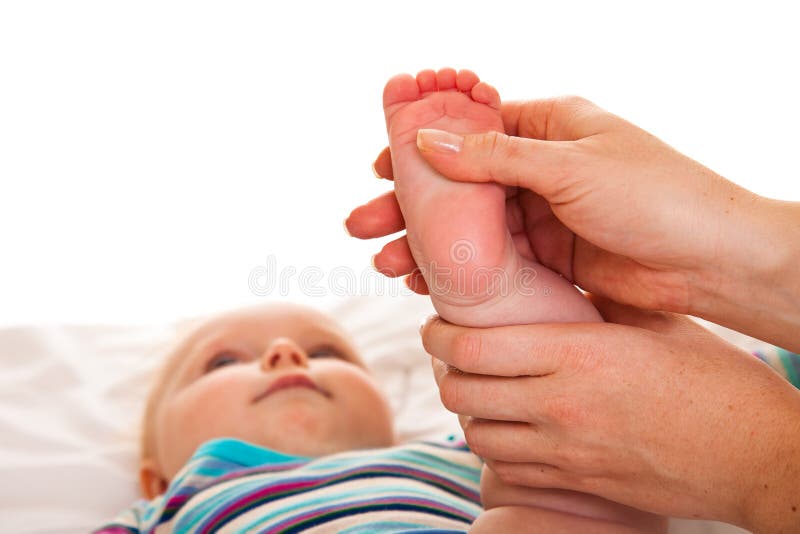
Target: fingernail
<point>375,173</point>
<point>344,225</point>
<point>425,320</point>
<point>439,141</point>
<point>372,261</point>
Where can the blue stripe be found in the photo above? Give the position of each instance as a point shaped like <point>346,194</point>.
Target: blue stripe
<point>791,362</point>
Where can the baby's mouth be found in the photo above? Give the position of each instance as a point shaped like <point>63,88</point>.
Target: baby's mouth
<point>291,381</point>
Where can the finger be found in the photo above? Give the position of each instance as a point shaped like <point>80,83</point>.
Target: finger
<point>464,420</point>
<point>382,166</point>
<point>495,492</point>
<point>379,217</point>
<point>439,368</point>
<point>509,441</point>
<point>544,167</point>
<point>491,397</point>
<point>511,113</point>
<point>550,494</point>
<point>416,283</point>
<point>563,118</point>
<point>535,475</point>
<point>520,350</point>
<point>394,259</point>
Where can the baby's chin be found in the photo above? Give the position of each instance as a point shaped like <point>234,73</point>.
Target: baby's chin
<point>311,443</point>
<point>315,445</point>
<point>304,431</point>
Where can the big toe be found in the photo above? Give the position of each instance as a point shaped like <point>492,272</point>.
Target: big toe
<point>399,89</point>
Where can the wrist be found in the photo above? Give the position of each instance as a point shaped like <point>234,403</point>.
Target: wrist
<point>753,283</point>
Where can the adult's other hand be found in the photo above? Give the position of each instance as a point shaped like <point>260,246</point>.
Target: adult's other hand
<point>649,410</point>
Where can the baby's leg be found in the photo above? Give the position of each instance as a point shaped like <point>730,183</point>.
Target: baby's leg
<point>457,232</point>
<point>525,519</point>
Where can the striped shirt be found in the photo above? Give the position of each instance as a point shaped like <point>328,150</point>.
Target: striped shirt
<point>786,363</point>
<point>232,486</point>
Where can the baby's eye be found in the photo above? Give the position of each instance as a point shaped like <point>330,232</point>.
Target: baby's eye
<point>325,352</point>
<point>223,359</point>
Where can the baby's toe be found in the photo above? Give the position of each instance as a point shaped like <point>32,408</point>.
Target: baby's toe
<point>466,80</point>
<point>486,94</point>
<point>446,79</point>
<point>426,79</point>
<point>401,88</point>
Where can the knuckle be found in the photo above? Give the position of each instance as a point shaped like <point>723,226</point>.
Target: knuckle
<point>575,101</point>
<point>474,438</point>
<point>430,333</point>
<point>450,393</point>
<point>496,150</point>
<point>581,461</point>
<point>466,350</point>
<point>427,344</point>
<point>508,473</point>
<point>562,410</point>
<point>582,356</point>
<point>494,144</point>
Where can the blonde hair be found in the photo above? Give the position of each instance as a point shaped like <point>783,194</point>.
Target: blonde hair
<point>184,333</point>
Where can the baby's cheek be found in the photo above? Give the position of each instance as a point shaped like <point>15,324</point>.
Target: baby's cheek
<point>368,405</point>
<point>197,414</point>
<point>210,398</point>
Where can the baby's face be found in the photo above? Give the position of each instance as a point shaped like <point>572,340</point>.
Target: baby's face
<point>281,376</point>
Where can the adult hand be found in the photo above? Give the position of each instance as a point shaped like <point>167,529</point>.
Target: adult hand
<point>649,410</point>
<point>621,214</point>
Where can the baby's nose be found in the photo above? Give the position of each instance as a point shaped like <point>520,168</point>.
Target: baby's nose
<point>283,352</point>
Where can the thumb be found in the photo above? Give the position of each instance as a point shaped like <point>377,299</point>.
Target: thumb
<point>544,167</point>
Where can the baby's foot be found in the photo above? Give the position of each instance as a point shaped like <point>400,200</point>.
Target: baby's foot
<point>474,277</point>
<point>458,236</point>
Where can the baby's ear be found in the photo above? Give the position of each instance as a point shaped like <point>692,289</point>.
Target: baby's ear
<point>151,483</point>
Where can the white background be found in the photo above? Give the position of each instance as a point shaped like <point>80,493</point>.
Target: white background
<point>152,154</point>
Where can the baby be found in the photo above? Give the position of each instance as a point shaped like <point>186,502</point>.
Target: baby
<point>266,419</point>
<point>479,274</point>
